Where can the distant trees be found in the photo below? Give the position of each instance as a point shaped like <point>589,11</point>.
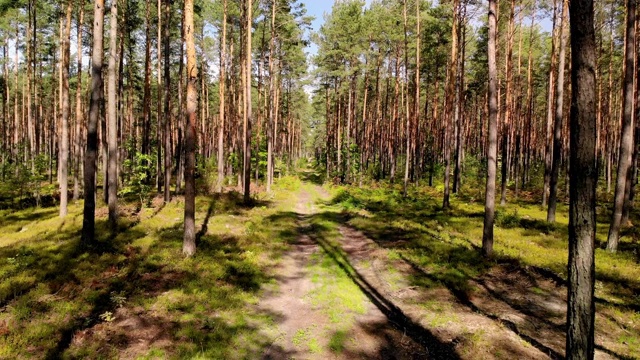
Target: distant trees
<point>399,89</point>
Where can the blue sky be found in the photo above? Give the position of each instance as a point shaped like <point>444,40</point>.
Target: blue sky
<point>318,8</point>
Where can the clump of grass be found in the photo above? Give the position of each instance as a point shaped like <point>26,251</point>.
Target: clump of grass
<point>337,341</point>
<point>507,220</point>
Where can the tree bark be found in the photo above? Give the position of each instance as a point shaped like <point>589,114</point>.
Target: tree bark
<point>112,131</point>
<point>79,113</point>
<point>450,99</point>
<point>88,222</point>
<point>161,120</point>
<point>64,133</point>
<point>550,107</point>
<point>559,116</point>
<point>407,112</point>
<point>221,88</point>
<point>247,100</point>
<point>626,137</point>
<point>189,241</point>
<point>272,105</point>
<point>490,192</point>
<point>506,128</point>
<point>167,101</point>
<point>583,181</point>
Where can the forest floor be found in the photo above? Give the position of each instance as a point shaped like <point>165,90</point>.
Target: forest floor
<point>308,272</point>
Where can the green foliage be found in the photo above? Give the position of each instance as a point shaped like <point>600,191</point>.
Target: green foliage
<point>26,183</point>
<point>137,174</point>
<point>204,305</point>
<point>507,220</point>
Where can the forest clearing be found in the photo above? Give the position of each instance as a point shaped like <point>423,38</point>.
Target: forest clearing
<point>297,179</point>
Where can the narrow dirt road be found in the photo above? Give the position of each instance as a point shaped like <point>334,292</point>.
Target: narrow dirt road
<point>314,321</point>
<point>340,295</point>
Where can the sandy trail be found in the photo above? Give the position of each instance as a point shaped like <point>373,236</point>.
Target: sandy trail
<point>304,330</point>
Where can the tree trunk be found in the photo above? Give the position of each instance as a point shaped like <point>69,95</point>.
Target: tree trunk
<point>559,116</point>
<point>222,85</point>
<point>88,222</point>
<point>407,113</point>
<point>64,135</point>
<point>247,106</point>
<point>167,101</point>
<point>584,177</point>
<point>506,128</point>
<point>490,194</point>
<point>112,131</point>
<point>450,99</point>
<point>79,113</point>
<point>272,105</point>
<point>626,137</point>
<point>189,241</point>
<point>550,107</point>
<point>160,119</point>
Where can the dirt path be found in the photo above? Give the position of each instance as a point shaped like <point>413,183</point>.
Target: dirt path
<point>397,319</point>
<point>307,328</point>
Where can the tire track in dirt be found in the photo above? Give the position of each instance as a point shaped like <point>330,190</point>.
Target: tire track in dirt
<point>303,328</point>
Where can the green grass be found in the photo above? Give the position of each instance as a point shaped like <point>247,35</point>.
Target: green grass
<point>62,301</point>
<point>65,302</point>
<point>445,245</point>
<point>338,340</point>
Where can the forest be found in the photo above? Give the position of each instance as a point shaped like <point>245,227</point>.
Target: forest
<point>284,179</point>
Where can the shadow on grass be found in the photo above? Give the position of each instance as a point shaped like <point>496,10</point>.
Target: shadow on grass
<point>394,314</point>
<point>60,300</point>
<point>442,255</point>
<point>314,177</point>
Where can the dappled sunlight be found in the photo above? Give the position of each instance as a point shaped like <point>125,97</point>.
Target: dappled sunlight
<point>134,294</point>
<point>523,288</point>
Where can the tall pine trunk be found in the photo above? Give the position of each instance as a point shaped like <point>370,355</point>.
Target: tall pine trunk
<point>583,181</point>
<point>189,241</point>
<point>625,154</point>
<point>64,133</point>
<point>508,106</point>
<point>222,85</point>
<point>167,100</point>
<point>246,173</point>
<point>112,120</point>
<point>450,103</point>
<point>492,151</point>
<point>551,91</point>
<point>79,113</point>
<point>88,222</point>
<point>559,117</point>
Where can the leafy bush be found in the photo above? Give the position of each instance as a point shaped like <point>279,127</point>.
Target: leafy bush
<point>507,221</point>
<point>136,173</point>
<point>345,199</point>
